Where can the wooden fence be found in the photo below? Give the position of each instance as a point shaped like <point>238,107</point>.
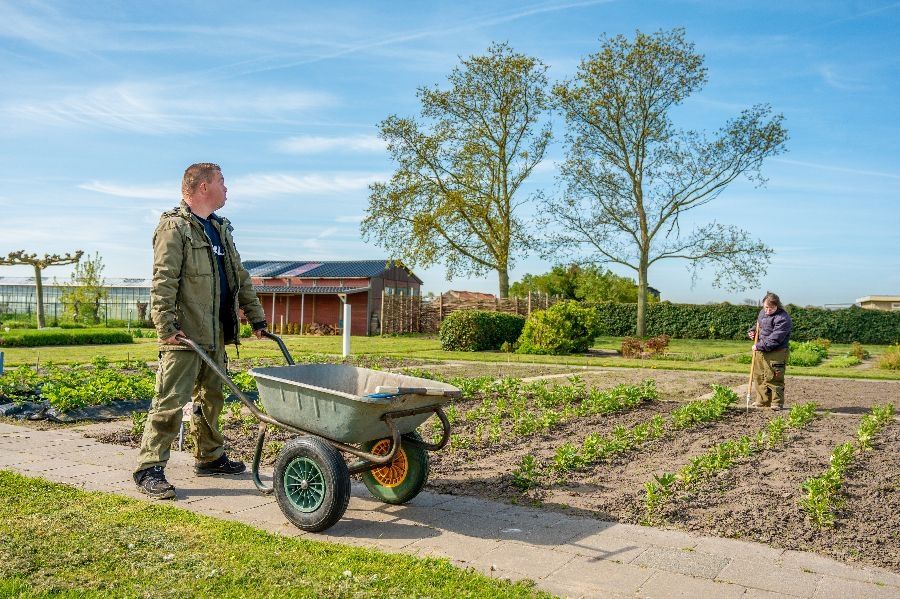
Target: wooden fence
<point>411,314</point>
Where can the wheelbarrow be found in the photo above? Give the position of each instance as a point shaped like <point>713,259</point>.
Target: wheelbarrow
<point>334,408</point>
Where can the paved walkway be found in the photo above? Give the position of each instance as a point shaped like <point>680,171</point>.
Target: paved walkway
<point>568,556</point>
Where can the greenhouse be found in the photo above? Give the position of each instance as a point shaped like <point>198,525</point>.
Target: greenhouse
<point>128,299</point>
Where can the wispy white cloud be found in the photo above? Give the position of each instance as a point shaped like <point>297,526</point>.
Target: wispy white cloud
<point>148,192</point>
<point>833,78</point>
<point>270,184</point>
<point>157,109</point>
<point>479,22</point>
<point>316,145</point>
<point>838,169</point>
<point>254,185</point>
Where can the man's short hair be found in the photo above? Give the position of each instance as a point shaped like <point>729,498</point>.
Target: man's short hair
<point>194,175</point>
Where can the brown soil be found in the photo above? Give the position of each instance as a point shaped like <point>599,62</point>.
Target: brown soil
<point>758,500</point>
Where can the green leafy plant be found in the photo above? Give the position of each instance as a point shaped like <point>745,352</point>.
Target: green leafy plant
<point>525,475</point>
<point>858,351</point>
<point>890,359</point>
<point>479,330</point>
<point>138,422</point>
<point>563,328</point>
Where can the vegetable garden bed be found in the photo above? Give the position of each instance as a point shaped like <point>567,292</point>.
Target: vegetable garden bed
<point>595,442</point>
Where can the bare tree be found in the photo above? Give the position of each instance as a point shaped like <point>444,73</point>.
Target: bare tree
<point>630,175</point>
<point>21,258</point>
<point>454,196</point>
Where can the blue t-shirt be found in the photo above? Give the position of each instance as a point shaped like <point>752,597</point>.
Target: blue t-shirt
<point>218,249</point>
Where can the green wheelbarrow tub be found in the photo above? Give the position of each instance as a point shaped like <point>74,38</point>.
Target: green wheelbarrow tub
<point>331,400</point>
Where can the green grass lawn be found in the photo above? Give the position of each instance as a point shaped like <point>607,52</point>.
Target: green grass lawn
<point>57,541</point>
<point>696,354</point>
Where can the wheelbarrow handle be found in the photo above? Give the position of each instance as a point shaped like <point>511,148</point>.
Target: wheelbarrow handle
<point>278,340</point>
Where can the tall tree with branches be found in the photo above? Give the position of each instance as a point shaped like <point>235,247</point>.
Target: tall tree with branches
<point>630,174</point>
<point>454,196</point>
<point>39,264</point>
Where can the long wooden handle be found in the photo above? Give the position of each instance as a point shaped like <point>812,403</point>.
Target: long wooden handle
<point>753,360</point>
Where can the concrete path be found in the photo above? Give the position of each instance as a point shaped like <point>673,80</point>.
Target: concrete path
<point>567,556</point>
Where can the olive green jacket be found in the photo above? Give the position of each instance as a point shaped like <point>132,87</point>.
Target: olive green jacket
<point>185,290</point>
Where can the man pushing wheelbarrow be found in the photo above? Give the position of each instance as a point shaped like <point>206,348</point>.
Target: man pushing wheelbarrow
<point>771,336</point>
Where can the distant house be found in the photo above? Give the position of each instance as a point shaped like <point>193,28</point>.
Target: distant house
<point>880,302</point>
<point>306,292</point>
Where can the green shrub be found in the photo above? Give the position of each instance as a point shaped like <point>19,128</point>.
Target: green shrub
<point>857,350</point>
<point>563,328</point>
<point>245,330</point>
<point>479,330</point>
<point>727,321</point>
<point>35,338</point>
<point>843,362</point>
<point>890,359</point>
<point>806,354</point>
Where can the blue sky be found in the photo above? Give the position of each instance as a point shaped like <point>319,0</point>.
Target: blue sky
<point>104,104</point>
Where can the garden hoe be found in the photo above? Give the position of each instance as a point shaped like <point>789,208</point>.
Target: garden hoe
<point>752,365</point>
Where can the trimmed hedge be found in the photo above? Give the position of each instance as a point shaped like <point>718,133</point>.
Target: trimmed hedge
<point>727,321</point>
<point>563,328</point>
<point>35,338</point>
<point>479,330</point>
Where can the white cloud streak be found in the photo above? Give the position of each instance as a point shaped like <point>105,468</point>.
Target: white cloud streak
<point>155,109</point>
<point>320,145</point>
<point>252,186</point>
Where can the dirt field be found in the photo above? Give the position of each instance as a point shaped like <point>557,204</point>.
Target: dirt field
<point>757,499</point>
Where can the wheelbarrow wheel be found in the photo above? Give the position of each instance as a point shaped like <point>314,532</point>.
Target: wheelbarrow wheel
<point>404,477</point>
<point>312,484</point>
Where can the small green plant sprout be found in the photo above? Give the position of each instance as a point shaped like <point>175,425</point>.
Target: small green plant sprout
<point>872,423</point>
<point>138,422</point>
<point>656,493</point>
<point>233,410</point>
<point>567,458</point>
<point>526,474</point>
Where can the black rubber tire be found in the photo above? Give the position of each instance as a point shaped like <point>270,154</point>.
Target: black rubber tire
<point>416,473</point>
<point>333,470</point>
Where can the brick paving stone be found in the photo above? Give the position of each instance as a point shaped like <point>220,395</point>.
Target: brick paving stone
<point>478,507</point>
<point>604,547</point>
<point>530,561</point>
<point>737,549</point>
<point>597,577</point>
<point>841,588</point>
<point>691,563</point>
<point>770,576</point>
<point>457,547</point>
<point>652,536</point>
<point>665,585</point>
<point>760,594</point>
<point>830,567</point>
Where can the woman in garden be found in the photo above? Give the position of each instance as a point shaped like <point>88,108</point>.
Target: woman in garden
<point>774,325</point>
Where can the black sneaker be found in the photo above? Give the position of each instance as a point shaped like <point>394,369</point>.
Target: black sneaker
<point>222,465</point>
<point>152,481</point>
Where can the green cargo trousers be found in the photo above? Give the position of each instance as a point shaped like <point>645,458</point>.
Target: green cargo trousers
<point>181,376</point>
<point>768,373</point>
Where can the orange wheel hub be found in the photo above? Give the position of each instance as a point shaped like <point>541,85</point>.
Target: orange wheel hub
<point>394,473</point>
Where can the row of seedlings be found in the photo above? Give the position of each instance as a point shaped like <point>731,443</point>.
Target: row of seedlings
<point>665,486</point>
<point>510,407</point>
<point>822,496</point>
<point>598,448</point>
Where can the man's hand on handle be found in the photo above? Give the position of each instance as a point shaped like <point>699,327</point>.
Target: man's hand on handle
<point>259,333</point>
<point>174,339</point>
